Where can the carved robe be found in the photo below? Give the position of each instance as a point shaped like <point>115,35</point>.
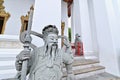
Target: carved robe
<point>42,67</point>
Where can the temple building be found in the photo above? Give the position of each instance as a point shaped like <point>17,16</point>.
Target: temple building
<point>96,21</point>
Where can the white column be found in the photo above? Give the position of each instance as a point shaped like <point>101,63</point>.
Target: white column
<point>75,19</point>
<point>85,28</point>
<point>93,28</point>
<point>72,23</point>
<point>46,12</point>
<point>64,16</point>
<point>77,22</point>
<point>107,33</point>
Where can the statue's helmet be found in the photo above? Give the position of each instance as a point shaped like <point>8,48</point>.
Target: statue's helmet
<point>50,29</point>
<point>77,35</point>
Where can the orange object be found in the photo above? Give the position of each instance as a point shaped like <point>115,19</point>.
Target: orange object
<point>79,49</point>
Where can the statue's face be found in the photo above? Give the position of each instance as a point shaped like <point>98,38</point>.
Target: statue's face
<point>52,39</point>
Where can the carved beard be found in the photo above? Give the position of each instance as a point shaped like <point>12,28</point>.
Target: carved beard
<point>52,54</point>
<point>52,49</point>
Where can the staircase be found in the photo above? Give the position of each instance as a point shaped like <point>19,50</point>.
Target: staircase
<point>85,67</point>
<point>89,69</point>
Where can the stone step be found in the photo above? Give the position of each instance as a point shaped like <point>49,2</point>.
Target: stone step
<point>101,76</point>
<point>81,73</point>
<point>83,63</point>
<point>80,62</point>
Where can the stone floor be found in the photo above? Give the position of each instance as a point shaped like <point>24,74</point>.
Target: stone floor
<point>102,76</point>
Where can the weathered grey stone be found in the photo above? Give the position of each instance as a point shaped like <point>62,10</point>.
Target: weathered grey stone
<point>45,63</point>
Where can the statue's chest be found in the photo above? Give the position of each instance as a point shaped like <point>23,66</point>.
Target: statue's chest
<point>44,60</point>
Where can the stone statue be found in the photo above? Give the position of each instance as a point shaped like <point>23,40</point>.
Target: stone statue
<point>45,63</point>
<point>78,45</point>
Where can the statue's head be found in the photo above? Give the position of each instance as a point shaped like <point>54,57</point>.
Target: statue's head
<point>50,29</point>
<point>78,37</point>
<point>50,33</point>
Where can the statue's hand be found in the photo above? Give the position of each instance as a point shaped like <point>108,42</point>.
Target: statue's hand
<point>24,55</point>
<point>71,77</point>
<point>66,42</point>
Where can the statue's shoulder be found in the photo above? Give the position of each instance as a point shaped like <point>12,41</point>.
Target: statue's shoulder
<point>35,50</point>
<point>39,50</point>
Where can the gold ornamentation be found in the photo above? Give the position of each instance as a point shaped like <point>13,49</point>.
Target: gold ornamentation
<point>3,15</point>
<point>24,20</point>
<point>62,31</point>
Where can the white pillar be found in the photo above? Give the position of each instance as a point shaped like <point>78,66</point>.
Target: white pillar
<point>72,23</point>
<point>93,28</point>
<point>64,16</point>
<point>77,22</point>
<point>85,28</point>
<point>105,22</point>
<point>75,19</point>
<point>46,12</point>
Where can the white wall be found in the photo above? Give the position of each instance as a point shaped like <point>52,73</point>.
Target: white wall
<point>106,36</point>
<point>116,7</point>
<point>114,17</point>
<point>46,12</point>
<point>16,8</point>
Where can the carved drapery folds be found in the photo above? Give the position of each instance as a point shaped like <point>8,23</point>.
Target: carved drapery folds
<point>4,16</point>
<point>24,20</point>
<point>69,2</point>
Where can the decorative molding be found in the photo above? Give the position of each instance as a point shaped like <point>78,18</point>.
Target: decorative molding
<point>3,14</point>
<point>10,42</point>
<point>9,37</point>
<point>11,45</point>
<point>24,20</point>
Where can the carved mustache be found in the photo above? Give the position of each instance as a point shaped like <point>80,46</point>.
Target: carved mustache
<point>54,44</point>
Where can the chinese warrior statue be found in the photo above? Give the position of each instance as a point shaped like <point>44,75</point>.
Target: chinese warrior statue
<point>45,63</point>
